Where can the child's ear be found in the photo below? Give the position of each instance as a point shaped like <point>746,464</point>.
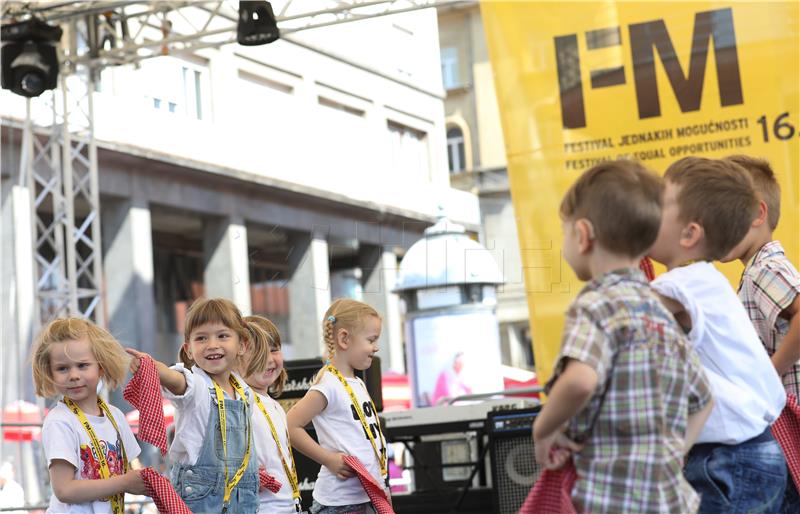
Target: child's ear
<point>342,338</point>
<point>761,218</point>
<point>691,235</point>
<point>585,235</point>
<point>185,348</point>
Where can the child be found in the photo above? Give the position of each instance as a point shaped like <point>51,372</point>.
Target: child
<point>770,284</point>
<point>214,468</point>
<point>270,432</point>
<point>342,411</point>
<point>770,287</point>
<point>626,385</point>
<point>708,206</point>
<point>87,444</point>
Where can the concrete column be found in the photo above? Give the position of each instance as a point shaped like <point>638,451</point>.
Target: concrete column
<point>128,266</point>
<point>17,329</point>
<point>379,274</point>
<point>309,296</point>
<point>226,259</point>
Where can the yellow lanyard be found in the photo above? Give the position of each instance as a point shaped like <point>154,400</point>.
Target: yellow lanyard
<point>290,473</point>
<point>118,500</point>
<point>229,485</point>
<point>354,400</point>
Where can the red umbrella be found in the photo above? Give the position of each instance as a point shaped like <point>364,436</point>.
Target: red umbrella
<point>169,416</point>
<point>20,412</point>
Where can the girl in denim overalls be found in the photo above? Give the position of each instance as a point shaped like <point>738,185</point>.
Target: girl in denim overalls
<point>214,467</point>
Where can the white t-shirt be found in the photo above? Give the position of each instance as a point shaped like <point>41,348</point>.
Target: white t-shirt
<point>192,410</point>
<point>267,452</point>
<point>63,437</point>
<point>748,394</point>
<point>339,429</point>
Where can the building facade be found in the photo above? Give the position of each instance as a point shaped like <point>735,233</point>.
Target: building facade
<point>278,176</point>
<point>477,163</point>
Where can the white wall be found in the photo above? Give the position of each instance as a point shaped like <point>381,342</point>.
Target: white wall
<point>313,111</point>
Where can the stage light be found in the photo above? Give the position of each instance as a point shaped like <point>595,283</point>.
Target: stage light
<point>29,58</point>
<point>257,24</point>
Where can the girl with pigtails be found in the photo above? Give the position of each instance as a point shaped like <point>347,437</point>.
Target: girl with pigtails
<point>342,411</point>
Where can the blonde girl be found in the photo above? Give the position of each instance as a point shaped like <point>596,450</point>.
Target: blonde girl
<point>342,411</point>
<point>214,468</point>
<point>270,433</point>
<point>87,444</point>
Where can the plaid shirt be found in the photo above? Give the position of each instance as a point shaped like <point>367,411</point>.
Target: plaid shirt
<point>769,285</point>
<point>633,458</point>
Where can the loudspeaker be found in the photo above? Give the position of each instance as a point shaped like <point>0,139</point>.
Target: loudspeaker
<point>514,467</point>
<point>307,471</point>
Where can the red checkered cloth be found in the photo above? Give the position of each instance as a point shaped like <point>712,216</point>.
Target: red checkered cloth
<point>267,481</point>
<point>144,393</point>
<point>551,494</point>
<point>646,265</point>
<point>787,432</point>
<point>163,494</point>
<point>375,491</point>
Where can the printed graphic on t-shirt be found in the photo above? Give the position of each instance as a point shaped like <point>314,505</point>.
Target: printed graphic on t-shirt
<point>90,463</point>
<point>368,413</point>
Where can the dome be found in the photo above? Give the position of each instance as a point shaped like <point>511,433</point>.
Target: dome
<point>446,256</point>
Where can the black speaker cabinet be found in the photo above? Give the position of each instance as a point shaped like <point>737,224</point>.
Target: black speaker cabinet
<point>301,376</point>
<point>514,467</point>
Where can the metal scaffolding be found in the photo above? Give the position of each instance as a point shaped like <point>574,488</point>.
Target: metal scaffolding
<point>61,167</point>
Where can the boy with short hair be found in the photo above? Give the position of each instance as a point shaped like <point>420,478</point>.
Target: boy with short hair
<point>737,466</point>
<point>770,284</point>
<point>770,287</point>
<point>627,386</point>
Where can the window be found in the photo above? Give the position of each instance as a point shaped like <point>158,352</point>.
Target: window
<point>333,104</point>
<point>192,92</point>
<point>178,87</point>
<point>409,152</point>
<point>456,159</point>
<point>405,46</point>
<point>450,72</point>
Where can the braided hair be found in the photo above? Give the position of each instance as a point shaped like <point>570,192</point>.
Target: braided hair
<point>344,313</point>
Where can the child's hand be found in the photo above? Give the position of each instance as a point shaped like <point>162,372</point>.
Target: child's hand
<point>134,483</point>
<point>554,451</point>
<point>336,465</point>
<point>136,359</point>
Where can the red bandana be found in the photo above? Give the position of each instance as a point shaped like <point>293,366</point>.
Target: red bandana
<point>144,393</point>
<point>376,493</point>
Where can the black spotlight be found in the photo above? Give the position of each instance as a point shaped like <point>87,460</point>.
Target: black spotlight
<point>257,24</point>
<point>29,59</point>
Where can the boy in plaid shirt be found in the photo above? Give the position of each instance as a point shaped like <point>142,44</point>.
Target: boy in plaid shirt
<point>737,466</point>
<point>770,287</point>
<point>628,395</point>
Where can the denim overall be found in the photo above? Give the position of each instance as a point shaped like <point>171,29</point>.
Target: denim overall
<point>202,486</point>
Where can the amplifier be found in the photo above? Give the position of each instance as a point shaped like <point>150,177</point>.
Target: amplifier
<point>514,467</point>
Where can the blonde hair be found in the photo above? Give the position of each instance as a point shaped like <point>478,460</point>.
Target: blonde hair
<point>212,310</point>
<point>106,350</point>
<point>343,314</point>
<point>276,389</point>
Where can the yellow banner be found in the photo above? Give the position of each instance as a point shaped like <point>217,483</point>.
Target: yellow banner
<point>581,82</point>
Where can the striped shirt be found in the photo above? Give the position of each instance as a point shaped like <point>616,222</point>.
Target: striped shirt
<point>649,381</point>
<point>768,286</point>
